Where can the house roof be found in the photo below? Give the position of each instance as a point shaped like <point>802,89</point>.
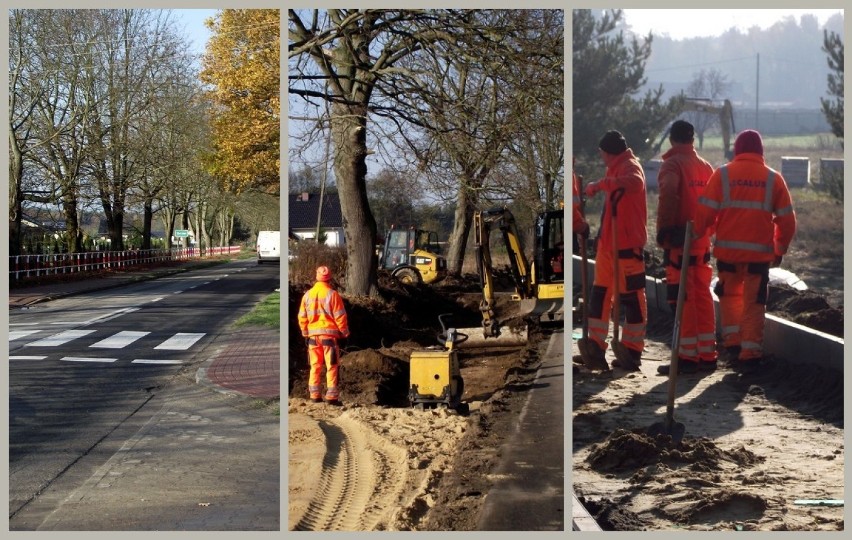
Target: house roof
<point>303,209</point>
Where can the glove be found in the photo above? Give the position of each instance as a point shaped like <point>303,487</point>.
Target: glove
<point>592,189</point>
<point>777,262</point>
<point>583,230</point>
<point>671,237</point>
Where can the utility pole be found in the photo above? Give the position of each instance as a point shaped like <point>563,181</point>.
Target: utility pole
<point>757,96</point>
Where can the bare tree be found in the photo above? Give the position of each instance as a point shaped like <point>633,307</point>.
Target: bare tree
<point>447,72</point>
<point>711,85</point>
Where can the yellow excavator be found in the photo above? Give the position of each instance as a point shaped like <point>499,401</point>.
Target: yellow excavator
<point>413,256</point>
<point>539,285</point>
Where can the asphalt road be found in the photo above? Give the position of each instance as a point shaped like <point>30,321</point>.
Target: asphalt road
<point>87,373</point>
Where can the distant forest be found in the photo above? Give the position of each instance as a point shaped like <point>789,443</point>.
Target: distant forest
<point>793,66</point>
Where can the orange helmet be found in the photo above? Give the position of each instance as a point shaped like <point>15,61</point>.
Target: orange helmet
<point>323,273</point>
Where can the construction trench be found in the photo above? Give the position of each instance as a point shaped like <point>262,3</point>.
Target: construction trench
<point>760,452</point>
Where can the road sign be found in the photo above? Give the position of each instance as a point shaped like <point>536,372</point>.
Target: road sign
<point>181,233</point>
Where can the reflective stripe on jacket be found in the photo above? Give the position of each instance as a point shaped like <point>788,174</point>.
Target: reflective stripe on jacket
<point>626,172</point>
<point>682,179</point>
<point>750,205</point>
<point>321,313</point>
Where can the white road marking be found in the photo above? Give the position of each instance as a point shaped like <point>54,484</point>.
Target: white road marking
<point>87,359</point>
<point>157,299</point>
<point>18,334</point>
<point>60,338</point>
<point>23,324</point>
<point>119,340</point>
<point>180,342</point>
<point>112,315</point>
<point>27,357</point>
<point>144,361</point>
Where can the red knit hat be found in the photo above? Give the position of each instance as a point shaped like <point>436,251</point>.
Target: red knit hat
<point>748,141</point>
<point>323,273</point>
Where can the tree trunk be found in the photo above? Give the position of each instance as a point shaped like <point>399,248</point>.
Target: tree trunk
<point>72,223</point>
<point>349,135</point>
<point>461,231</point>
<point>147,219</point>
<point>16,172</point>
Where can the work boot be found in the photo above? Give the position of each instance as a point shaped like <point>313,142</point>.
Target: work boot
<point>316,399</point>
<point>729,355</point>
<point>334,402</point>
<point>750,366</point>
<point>684,366</point>
<point>595,357</point>
<point>707,365</point>
<point>635,360</point>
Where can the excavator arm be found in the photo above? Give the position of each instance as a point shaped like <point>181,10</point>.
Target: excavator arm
<point>483,223</point>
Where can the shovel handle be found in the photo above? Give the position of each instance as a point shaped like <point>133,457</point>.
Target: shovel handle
<point>681,295</point>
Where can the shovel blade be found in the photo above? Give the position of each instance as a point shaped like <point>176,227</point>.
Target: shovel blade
<point>675,430</point>
<point>591,360</point>
<point>625,359</point>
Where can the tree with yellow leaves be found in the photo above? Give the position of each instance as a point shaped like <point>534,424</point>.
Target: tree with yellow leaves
<point>242,66</point>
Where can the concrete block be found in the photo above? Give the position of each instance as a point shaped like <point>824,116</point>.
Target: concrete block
<point>796,171</point>
<point>828,168</point>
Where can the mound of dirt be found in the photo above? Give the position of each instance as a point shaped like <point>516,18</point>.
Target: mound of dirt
<point>807,308</point>
<point>628,450</point>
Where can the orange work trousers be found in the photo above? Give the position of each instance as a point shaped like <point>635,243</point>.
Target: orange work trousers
<point>742,290</point>
<point>633,306</point>
<point>323,352</point>
<point>698,318</point>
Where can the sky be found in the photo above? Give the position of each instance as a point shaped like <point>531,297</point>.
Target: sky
<point>685,23</point>
<point>191,21</point>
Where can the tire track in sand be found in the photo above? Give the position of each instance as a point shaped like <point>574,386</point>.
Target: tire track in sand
<point>361,480</point>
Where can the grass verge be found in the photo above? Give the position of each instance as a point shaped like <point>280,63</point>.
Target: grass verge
<point>266,313</point>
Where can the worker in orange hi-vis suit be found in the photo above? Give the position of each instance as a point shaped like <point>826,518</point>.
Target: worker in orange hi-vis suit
<point>682,178</point>
<point>752,211</point>
<point>323,320</point>
<point>623,172</point>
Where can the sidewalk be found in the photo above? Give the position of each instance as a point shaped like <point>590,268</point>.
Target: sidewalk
<point>246,363</point>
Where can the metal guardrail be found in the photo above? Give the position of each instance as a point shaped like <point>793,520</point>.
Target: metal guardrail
<point>25,266</point>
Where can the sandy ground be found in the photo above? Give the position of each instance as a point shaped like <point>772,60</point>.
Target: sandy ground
<point>369,467</point>
<point>755,447</point>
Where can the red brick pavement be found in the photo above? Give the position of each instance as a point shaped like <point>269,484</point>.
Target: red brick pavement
<point>250,363</point>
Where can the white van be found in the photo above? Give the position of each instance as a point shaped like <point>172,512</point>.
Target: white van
<point>268,246</point>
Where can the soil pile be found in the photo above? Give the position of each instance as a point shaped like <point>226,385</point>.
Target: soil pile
<point>807,308</point>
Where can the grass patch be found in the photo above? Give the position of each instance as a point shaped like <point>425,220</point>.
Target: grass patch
<point>266,313</point>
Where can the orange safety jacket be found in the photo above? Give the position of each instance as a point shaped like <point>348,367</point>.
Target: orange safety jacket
<point>682,179</point>
<point>578,220</point>
<point>321,313</point>
<point>626,172</point>
<point>751,208</point>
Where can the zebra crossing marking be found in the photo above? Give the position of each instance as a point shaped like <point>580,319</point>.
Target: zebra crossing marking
<point>88,359</point>
<point>119,340</point>
<point>179,342</point>
<point>27,357</point>
<point>18,334</point>
<point>60,338</point>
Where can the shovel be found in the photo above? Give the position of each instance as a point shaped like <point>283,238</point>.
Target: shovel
<point>618,348</point>
<point>668,426</point>
<point>583,344</point>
